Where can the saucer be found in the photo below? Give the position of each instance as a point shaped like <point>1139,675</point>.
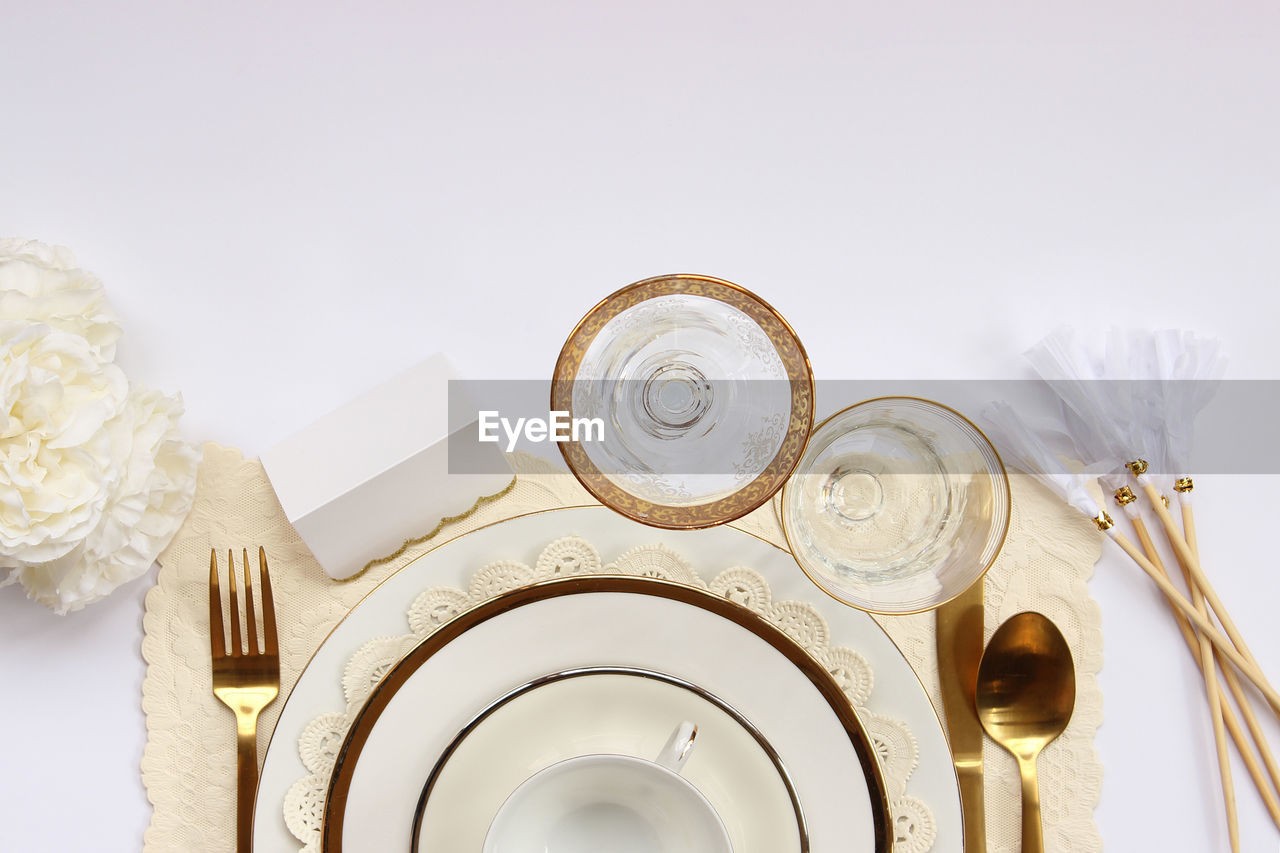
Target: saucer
<point>626,711</point>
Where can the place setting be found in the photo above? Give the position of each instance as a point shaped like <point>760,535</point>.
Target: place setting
<point>682,611</point>
<point>484,677</point>
<point>725,624</point>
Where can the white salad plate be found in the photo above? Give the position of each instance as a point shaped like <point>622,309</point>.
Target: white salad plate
<point>465,670</point>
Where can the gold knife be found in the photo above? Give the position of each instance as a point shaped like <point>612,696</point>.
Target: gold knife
<point>959,640</point>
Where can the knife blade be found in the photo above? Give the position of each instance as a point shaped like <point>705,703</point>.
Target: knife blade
<point>959,645</point>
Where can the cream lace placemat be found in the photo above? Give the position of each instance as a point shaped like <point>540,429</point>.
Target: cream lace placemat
<point>188,766</point>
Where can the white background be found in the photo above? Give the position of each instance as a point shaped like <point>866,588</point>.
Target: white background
<point>290,202</point>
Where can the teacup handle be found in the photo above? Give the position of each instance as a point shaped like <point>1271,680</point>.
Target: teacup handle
<point>679,746</point>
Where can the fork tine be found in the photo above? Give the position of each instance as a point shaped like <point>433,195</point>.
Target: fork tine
<point>217,639</point>
<point>270,641</point>
<point>235,607</point>
<point>250,617</point>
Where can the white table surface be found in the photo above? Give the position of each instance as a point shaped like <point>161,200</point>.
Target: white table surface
<point>289,204</point>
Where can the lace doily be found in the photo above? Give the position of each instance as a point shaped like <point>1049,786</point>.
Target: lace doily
<point>188,767</point>
<point>896,747</point>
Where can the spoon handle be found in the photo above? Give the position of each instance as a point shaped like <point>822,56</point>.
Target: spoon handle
<point>1032,838</point>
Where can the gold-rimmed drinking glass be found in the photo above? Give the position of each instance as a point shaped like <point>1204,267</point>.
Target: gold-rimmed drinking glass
<point>897,506</point>
<point>705,395</point>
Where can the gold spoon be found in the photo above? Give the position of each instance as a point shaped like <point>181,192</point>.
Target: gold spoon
<point>1026,690</point>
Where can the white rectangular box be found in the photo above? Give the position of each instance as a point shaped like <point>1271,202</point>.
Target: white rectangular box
<point>368,476</point>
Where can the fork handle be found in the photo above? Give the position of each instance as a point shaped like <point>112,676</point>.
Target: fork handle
<point>246,780</point>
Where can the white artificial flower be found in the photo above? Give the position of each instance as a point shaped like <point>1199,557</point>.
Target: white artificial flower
<point>94,479</point>
<point>147,505</point>
<point>42,284</point>
<point>57,462</point>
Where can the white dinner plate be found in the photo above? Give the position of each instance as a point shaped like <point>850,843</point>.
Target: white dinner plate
<point>616,711</point>
<point>897,693</point>
<point>411,716</point>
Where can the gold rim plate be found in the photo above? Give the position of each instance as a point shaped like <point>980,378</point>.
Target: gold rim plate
<point>366,718</point>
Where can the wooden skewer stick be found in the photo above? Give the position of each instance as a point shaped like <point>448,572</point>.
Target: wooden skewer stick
<point>1232,723</point>
<point>1148,546</point>
<point>1188,540</point>
<point>1209,669</point>
<point>1202,581</point>
<point>1259,738</point>
<point>1214,693</point>
<point>1223,644</point>
<point>1246,708</point>
<point>1229,718</point>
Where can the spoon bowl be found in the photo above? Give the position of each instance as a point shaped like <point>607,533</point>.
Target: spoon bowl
<point>1025,694</point>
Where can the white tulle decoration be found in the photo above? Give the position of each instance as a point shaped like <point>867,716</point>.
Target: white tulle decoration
<point>1132,357</point>
<point>1079,378</point>
<point>1137,400</point>
<point>1022,448</point>
<point>1095,407</point>
<point>1190,368</point>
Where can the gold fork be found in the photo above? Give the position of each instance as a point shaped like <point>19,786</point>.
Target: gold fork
<point>246,679</point>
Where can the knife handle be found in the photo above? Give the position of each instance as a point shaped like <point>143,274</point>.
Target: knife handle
<point>975,828</point>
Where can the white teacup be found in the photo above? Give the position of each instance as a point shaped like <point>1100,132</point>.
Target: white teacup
<point>613,803</point>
